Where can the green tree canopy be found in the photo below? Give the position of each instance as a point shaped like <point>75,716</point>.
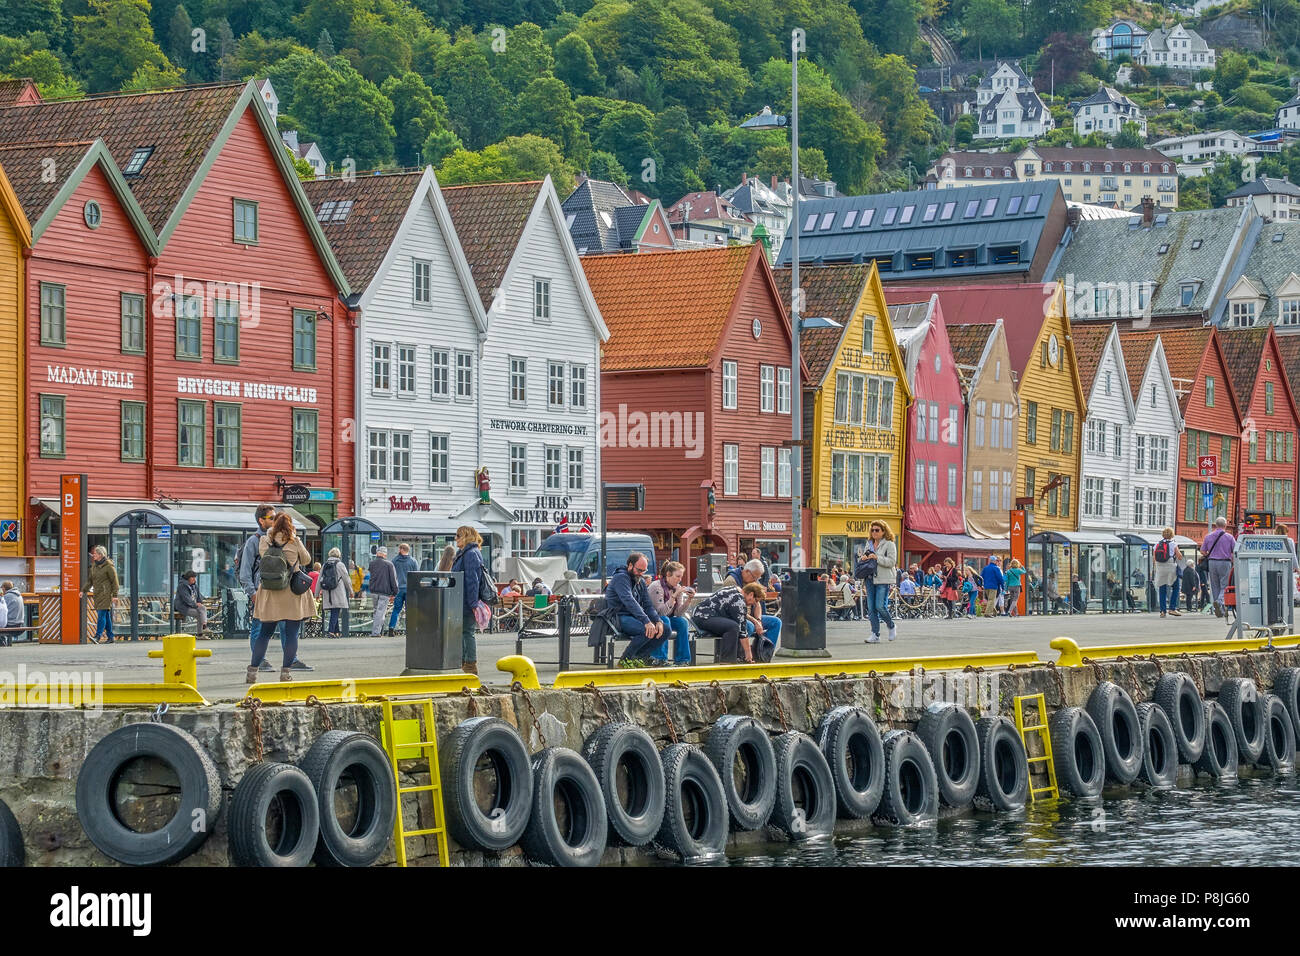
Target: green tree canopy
<point>475,99</point>
<point>114,41</point>
<point>546,109</point>
<point>575,64</point>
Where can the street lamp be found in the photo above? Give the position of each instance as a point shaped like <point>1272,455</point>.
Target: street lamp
<point>768,120</point>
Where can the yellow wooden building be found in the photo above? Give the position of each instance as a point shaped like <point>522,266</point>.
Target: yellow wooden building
<point>855,411</point>
<point>15,239</point>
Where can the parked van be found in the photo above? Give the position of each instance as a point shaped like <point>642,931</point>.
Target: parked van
<point>582,551</point>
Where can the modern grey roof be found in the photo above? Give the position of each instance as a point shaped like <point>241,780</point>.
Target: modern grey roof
<point>604,217</point>
<point>1106,94</point>
<point>899,227</point>
<point>1158,41</point>
<point>1271,263</point>
<point>1293,101</point>
<point>1265,186</point>
<point>987,82</point>
<point>1192,246</point>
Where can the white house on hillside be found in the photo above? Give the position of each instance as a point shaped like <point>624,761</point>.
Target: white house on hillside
<point>1288,114</point>
<point>1197,153</point>
<point>1106,112</point>
<point>1177,48</point>
<point>1008,107</point>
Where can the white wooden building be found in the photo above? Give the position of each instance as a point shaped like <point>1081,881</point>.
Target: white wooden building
<point>1105,502</point>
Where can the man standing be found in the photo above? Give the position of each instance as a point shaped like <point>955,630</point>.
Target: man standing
<point>250,557</point>
<point>1218,547</point>
<point>993,582</point>
<point>12,614</point>
<point>403,564</point>
<point>628,596</point>
<point>756,555</point>
<point>770,626</point>
<point>383,587</point>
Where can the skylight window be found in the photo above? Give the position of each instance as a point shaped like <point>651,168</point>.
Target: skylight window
<point>866,217</point>
<point>810,223</point>
<point>607,219</point>
<point>1031,203</point>
<point>890,213</point>
<point>990,207</point>
<point>137,161</point>
<point>849,217</point>
<point>326,210</point>
<point>568,220</point>
<point>972,208</point>
<point>1196,243</point>
<point>906,217</point>
<point>930,212</point>
<point>828,220</point>
<point>948,209</point>
<point>1278,237</point>
<point>1162,220</point>
<point>341,210</point>
<point>1013,205</point>
<point>1164,247</point>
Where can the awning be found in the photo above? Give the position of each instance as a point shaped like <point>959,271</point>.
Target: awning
<point>1075,538</point>
<point>1151,539</point>
<point>961,542</point>
<point>203,517</point>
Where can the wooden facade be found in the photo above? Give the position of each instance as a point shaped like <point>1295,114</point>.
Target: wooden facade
<point>15,243</point>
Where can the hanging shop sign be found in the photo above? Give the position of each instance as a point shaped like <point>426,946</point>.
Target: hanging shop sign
<point>295,495</point>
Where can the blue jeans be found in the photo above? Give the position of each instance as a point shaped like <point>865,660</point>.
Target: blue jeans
<point>468,643</point>
<point>399,602</point>
<point>103,624</point>
<point>682,644</point>
<point>254,629</point>
<point>1164,597</point>
<point>654,648</point>
<point>288,639</point>
<point>771,628</point>
<point>334,620</point>
<point>878,606</point>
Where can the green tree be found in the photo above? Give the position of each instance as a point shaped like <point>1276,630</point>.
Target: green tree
<point>417,113</point>
<point>114,41</point>
<point>1130,137</point>
<point>546,109</point>
<point>627,131</point>
<point>682,151</point>
<point>440,144</point>
<point>256,54</point>
<point>475,99</point>
<point>534,157</point>
<point>891,24</point>
<point>575,64</point>
<point>385,50</point>
<point>336,16</point>
<point>20,17</point>
<point>325,44</point>
<point>905,119</point>
<point>990,25</point>
<point>180,36</point>
<point>350,115</point>
<point>606,166</point>
<point>964,130</point>
<point>775,161</point>
<point>1230,72</point>
<point>301,167</point>
<point>152,77</point>
<point>525,57</point>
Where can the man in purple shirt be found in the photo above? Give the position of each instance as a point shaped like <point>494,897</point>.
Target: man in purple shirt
<point>1218,547</point>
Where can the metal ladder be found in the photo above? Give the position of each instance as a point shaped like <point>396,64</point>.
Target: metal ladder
<point>409,735</point>
<point>1044,734</point>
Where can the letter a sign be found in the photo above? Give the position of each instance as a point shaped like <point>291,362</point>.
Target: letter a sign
<point>1019,550</point>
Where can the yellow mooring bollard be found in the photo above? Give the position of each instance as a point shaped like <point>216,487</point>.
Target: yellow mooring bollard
<point>179,658</point>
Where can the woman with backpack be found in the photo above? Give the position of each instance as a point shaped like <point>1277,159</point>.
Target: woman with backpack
<point>335,586</point>
<point>283,593</point>
<point>469,562</point>
<point>1167,561</point>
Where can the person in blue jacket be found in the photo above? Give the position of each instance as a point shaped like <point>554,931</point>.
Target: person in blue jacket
<point>403,564</point>
<point>628,596</point>
<point>993,583</point>
<point>469,561</point>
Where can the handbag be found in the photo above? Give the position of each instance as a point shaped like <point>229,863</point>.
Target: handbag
<point>487,589</point>
<point>299,581</point>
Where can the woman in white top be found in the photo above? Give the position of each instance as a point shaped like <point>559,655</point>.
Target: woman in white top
<point>886,552</point>
<point>1167,559</point>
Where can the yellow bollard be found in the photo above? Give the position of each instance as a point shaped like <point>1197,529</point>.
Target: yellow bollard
<point>522,669</point>
<point>179,656</point>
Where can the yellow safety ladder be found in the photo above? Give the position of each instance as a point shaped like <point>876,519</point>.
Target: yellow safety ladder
<point>407,736</point>
<point>1045,736</point>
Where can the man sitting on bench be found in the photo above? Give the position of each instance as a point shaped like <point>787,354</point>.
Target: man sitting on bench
<point>628,596</point>
<point>12,614</point>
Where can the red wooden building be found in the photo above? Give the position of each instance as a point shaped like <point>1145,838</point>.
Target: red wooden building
<point>695,398</point>
<point>186,343</point>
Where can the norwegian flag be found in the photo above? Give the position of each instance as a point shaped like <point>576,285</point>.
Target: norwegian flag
<point>563,526</point>
<point>586,526</point>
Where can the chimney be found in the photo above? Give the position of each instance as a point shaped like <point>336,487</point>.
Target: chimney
<point>744,178</point>
<point>774,180</point>
<point>1072,216</point>
<point>1148,210</point>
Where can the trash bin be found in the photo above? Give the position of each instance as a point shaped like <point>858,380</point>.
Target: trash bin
<point>803,614</point>
<point>434,612</point>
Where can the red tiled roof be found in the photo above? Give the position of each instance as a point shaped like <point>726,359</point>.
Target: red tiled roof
<point>360,241</point>
<point>489,220</point>
<point>1089,342</point>
<point>27,166</point>
<point>704,205</point>
<point>1289,347</point>
<point>665,309</point>
<point>1184,354</point>
<point>1137,348</point>
<point>1243,351</point>
<point>831,292</point>
<point>18,91</point>
<point>968,341</point>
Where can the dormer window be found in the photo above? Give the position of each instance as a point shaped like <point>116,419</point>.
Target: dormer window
<point>1146,167</point>
<point>137,161</point>
<point>1187,291</point>
<point>1243,313</point>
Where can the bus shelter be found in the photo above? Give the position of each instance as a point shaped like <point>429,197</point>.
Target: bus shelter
<point>1139,564</point>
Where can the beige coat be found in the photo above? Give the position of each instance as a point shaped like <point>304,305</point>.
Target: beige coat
<point>104,584</point>
<point>285,605</point>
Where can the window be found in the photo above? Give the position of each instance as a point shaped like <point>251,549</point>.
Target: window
<point>380,366</point>
<point>421,271</point>
<point>783,391</point>
<point>554,465</point>
<point>225,435</point>
<point>578,386</point>
<point>189,327</point>
<point>1243,313</point>
<point>1290,312</point>
<point>1254,447</point>
<point>1114,499</point>
<point>856,414</point>
<point>191,429</point>
<point>1225,461</point>
<point>132,431</point>
<point>439,459</point>
<point>1251,494</point>
<point>1187,291</point>
<point>378,455</point>
<point>518,381</point>
<point>542,300</point>
<point>868,334</point>
<point>920,421</point>
<point>828,220</point>
<point>1092,497</point>
<point>767,472</point>
<point>1139,506</point>
<point>555,384</point>
<point>464,376</point>
<point>977,491</point>
<point>952,485</point>
<point>400,444</point>
<point>575,469</point>
<point>1141,447</point>
<point>139,156</point>
<point>1055,441</point>
<point>518,466</point>
<point>132,323</point>
<point>1031,423</point>
<point>934,482</point>
<point>934,422</point>
<point>225,330</point>
<point>245,221</point>
<point>995,438</point>
<point>919,483</point>
<point>53,428</point>
<point>1067,434</point>
<point>1268,398</point>
<point>979,424</point>
<point>441,368</point>
<point>304,341</point>
<point>1008,424</point>
<point>783,472</point>
<point>766,388</point>
<point>1209,391</point>
<point>731,469</point>
<point>730,384</point>
<point>1031,482</point>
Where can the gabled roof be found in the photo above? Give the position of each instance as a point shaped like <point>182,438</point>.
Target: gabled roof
<point>12,209</point>
<point>1053,155</point>
<point>1185,351</point>
<point>1243,350</point>
<point>1158,39</point>
<point>1090,343</point>
<point>911,322</point>
<point>489,221</point>
<point>830,292</point>
<point>1106,94</point>
<point>666,309</point>
<point>1013,66</point>
<point>21,90</point>
<point>1289,347</point>
<point>707,205</point>
<point>1265,186</point>
<point>1272,262</point>
<point>1030,105</point>
<point>361,239</point>
<point>602,214</point>
<point>969,343</point>
<point>1137,356</point>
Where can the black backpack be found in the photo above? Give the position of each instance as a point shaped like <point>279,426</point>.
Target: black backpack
<point>329,576</point>
<point>1162,551</point>
<point>275,569</point>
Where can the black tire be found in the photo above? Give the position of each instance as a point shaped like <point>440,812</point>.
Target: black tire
<point>287,788</point>
<point>850,742</point>
<point>199,800</point>
<point>1241,702</point>
<point>12,852</point>
<point>741,751</point>
<point>805,791</point>
<point>1219,759</point>
<point>631,777</point>
<point>1004,765</point>
<point>567,825</point>
<point>1287,686</point>
<point>949,734</point>
<point>1160,748</point>
<point>1077,752</point>
<point>1279,736</point>
<point>478,746</point>
<point>911,788</point>
<point>337,754</point>
<point>1112,710</point>
<point>1177,696</point>
<point>695,808</point>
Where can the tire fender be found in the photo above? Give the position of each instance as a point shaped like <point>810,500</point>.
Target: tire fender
<point>563,779</point>
<point>1286,684</point>
<point>1177,696</point>
<point>12,852</point>
<point>1122,741</point>
<point>1077,752</point>
<point>1279,736</point>
<point>339,752</point>
<point>751,793</point>
<point>805,802</point>
<point>949,735</point>
<point>911,787</point>
<point>502,824</point>
<point>1219,760</point>
<point>1160,748</point>
<point>1240,700</point>
<point>291,790</point>
<point>1004,765</point>
<point>848,735</point>
<point>633,816</point>
<point>690,779</point>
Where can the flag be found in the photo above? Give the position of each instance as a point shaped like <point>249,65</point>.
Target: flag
<point>563,526</point>
<point>586,526</point>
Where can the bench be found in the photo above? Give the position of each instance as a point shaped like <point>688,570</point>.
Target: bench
<point>7,634</point>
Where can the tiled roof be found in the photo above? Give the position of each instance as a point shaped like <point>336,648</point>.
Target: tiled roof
<point>1158,41</point>
<point>1272,262</point>
<point>1184,353</point>
<point>1265,186</point>
<point>1137,348</point>
<point>704,205</point>
<point>26,166</point>
<point>594,206</point>
<point>361,239</point>
<point>969,341</point>
<point>1243,350</point>
<point>1089,345</point>
<point>489,221</point>
<point>1027,101</point>
<point>830,292</point>
<point>1289,346</point>
<point>181,125</point>
<point>665,309</point>
<point>1102,154</point>
<point>13,91</point>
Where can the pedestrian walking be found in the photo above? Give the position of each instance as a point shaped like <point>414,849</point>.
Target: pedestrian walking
<point>281,556</point>
<point>104,586</point>
<point>993,580</point>
<point>970,588</point>
<point>885,551</point>
<point>1191,584</point>
<point>1219,546</point>
<point>188,602</point>
<point>1168,559</point>
<point>469,562</point>
<point>335,591</point>
<point>950,589</point>
<point>12,613</point>
<point>403,564</point>
<point>383,588</point>
<point>355,575</point>
<point>1015,577</point>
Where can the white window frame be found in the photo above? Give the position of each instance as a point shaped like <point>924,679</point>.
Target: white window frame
<point>443,367</point>
<point>421,283</point>
<point>402,365</point>
<point>577,473</point>
<point>434,460</point>
<point>465,394</point>
<point>730,469</point>
<point>541,299</point>
<point>980,408</point>
<point>577,385</point>
<point>920,421</point>
<point>918,484</point>
<point>517,377</point>
<point>952,486</point>
<point>522,460</point>
<point>553,460</point>
<point>767,471</point>
<point>378,454</point>
<point>376,363</point>
<point>783,472</point>
<point>934,483</point>
<point>730,384</point>
<point>766,388</point>
<point>551,367</point>
<point>783,388</point>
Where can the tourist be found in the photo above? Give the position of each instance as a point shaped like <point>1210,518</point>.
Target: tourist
<point>907,587</point>
<point>104,586</point>
<point>885,551</point>
<point>280,554</point>
<point>1078,596</point>
<point>755,554</point>
<point>512,589</point>
<point>671,601</point>
<point>403,565</point>
<point>950,588</point>
<point>1014,576</point>
<point>769,626</point>
<point>248,567</point>
<point>537,589</point>
<point>448,557</point>
<point>993,580</point>
<point>1191,584</point>
<point>314,574</point>
<point>1055,600</point>
<point>188,602</point>
<point>383,587</point>
<point>970,589</point>
<point>335,591</point>
<point>628,597</point>
<point>1219,546</point>
<point>469,562</point>
<point>12,614</point>
<point>723,614</point>
<point>1168,559</point>
<point>356,576</point>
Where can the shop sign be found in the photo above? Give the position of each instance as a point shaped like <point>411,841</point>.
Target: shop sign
<point>764,525</point>
<point>554,518</point>
<point>295,495</point>
<point>871,439</point>
<point>857,527</point>
<point>546,428</point>
<point>233,388</point>
<point>396,503</point>
<point>322,494</point>
<point>10,529</point>
<point>92,377</point>
<point>872,362</point>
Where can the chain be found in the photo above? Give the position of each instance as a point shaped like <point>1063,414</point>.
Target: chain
<point>878,688</point>
<point>1060,681</point>
<point>600,699</point>
<point>254,704</point>
<point>972,669</point>
<point>1160,671</point>
<point>516,686</point>
<point>472,703</point>
<point>314,701</point>
<point>1194,671</point>
<point>157,715</point>
<point>722,696</point>
<point>776,696</point>
<point>826,689</point>
<point>1254,669</point>
<point>668,718</point>
<point>1133,675</point>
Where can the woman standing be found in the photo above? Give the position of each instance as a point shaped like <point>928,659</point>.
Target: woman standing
<point>334,599</point>
<point>1015,577</point>
<point>950,589</point>
<point>276,604</point>
<point>1167,560</point>
<point>970,590</point>
<point>103,588</point>
<point>448,557</point>
<point>671,601</point>
<point>886,552</point>
<point>355,576</point>
<point>469,561</point>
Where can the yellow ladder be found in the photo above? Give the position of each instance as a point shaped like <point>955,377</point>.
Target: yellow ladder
<point>409,735</point>
<point>1039,728</point>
